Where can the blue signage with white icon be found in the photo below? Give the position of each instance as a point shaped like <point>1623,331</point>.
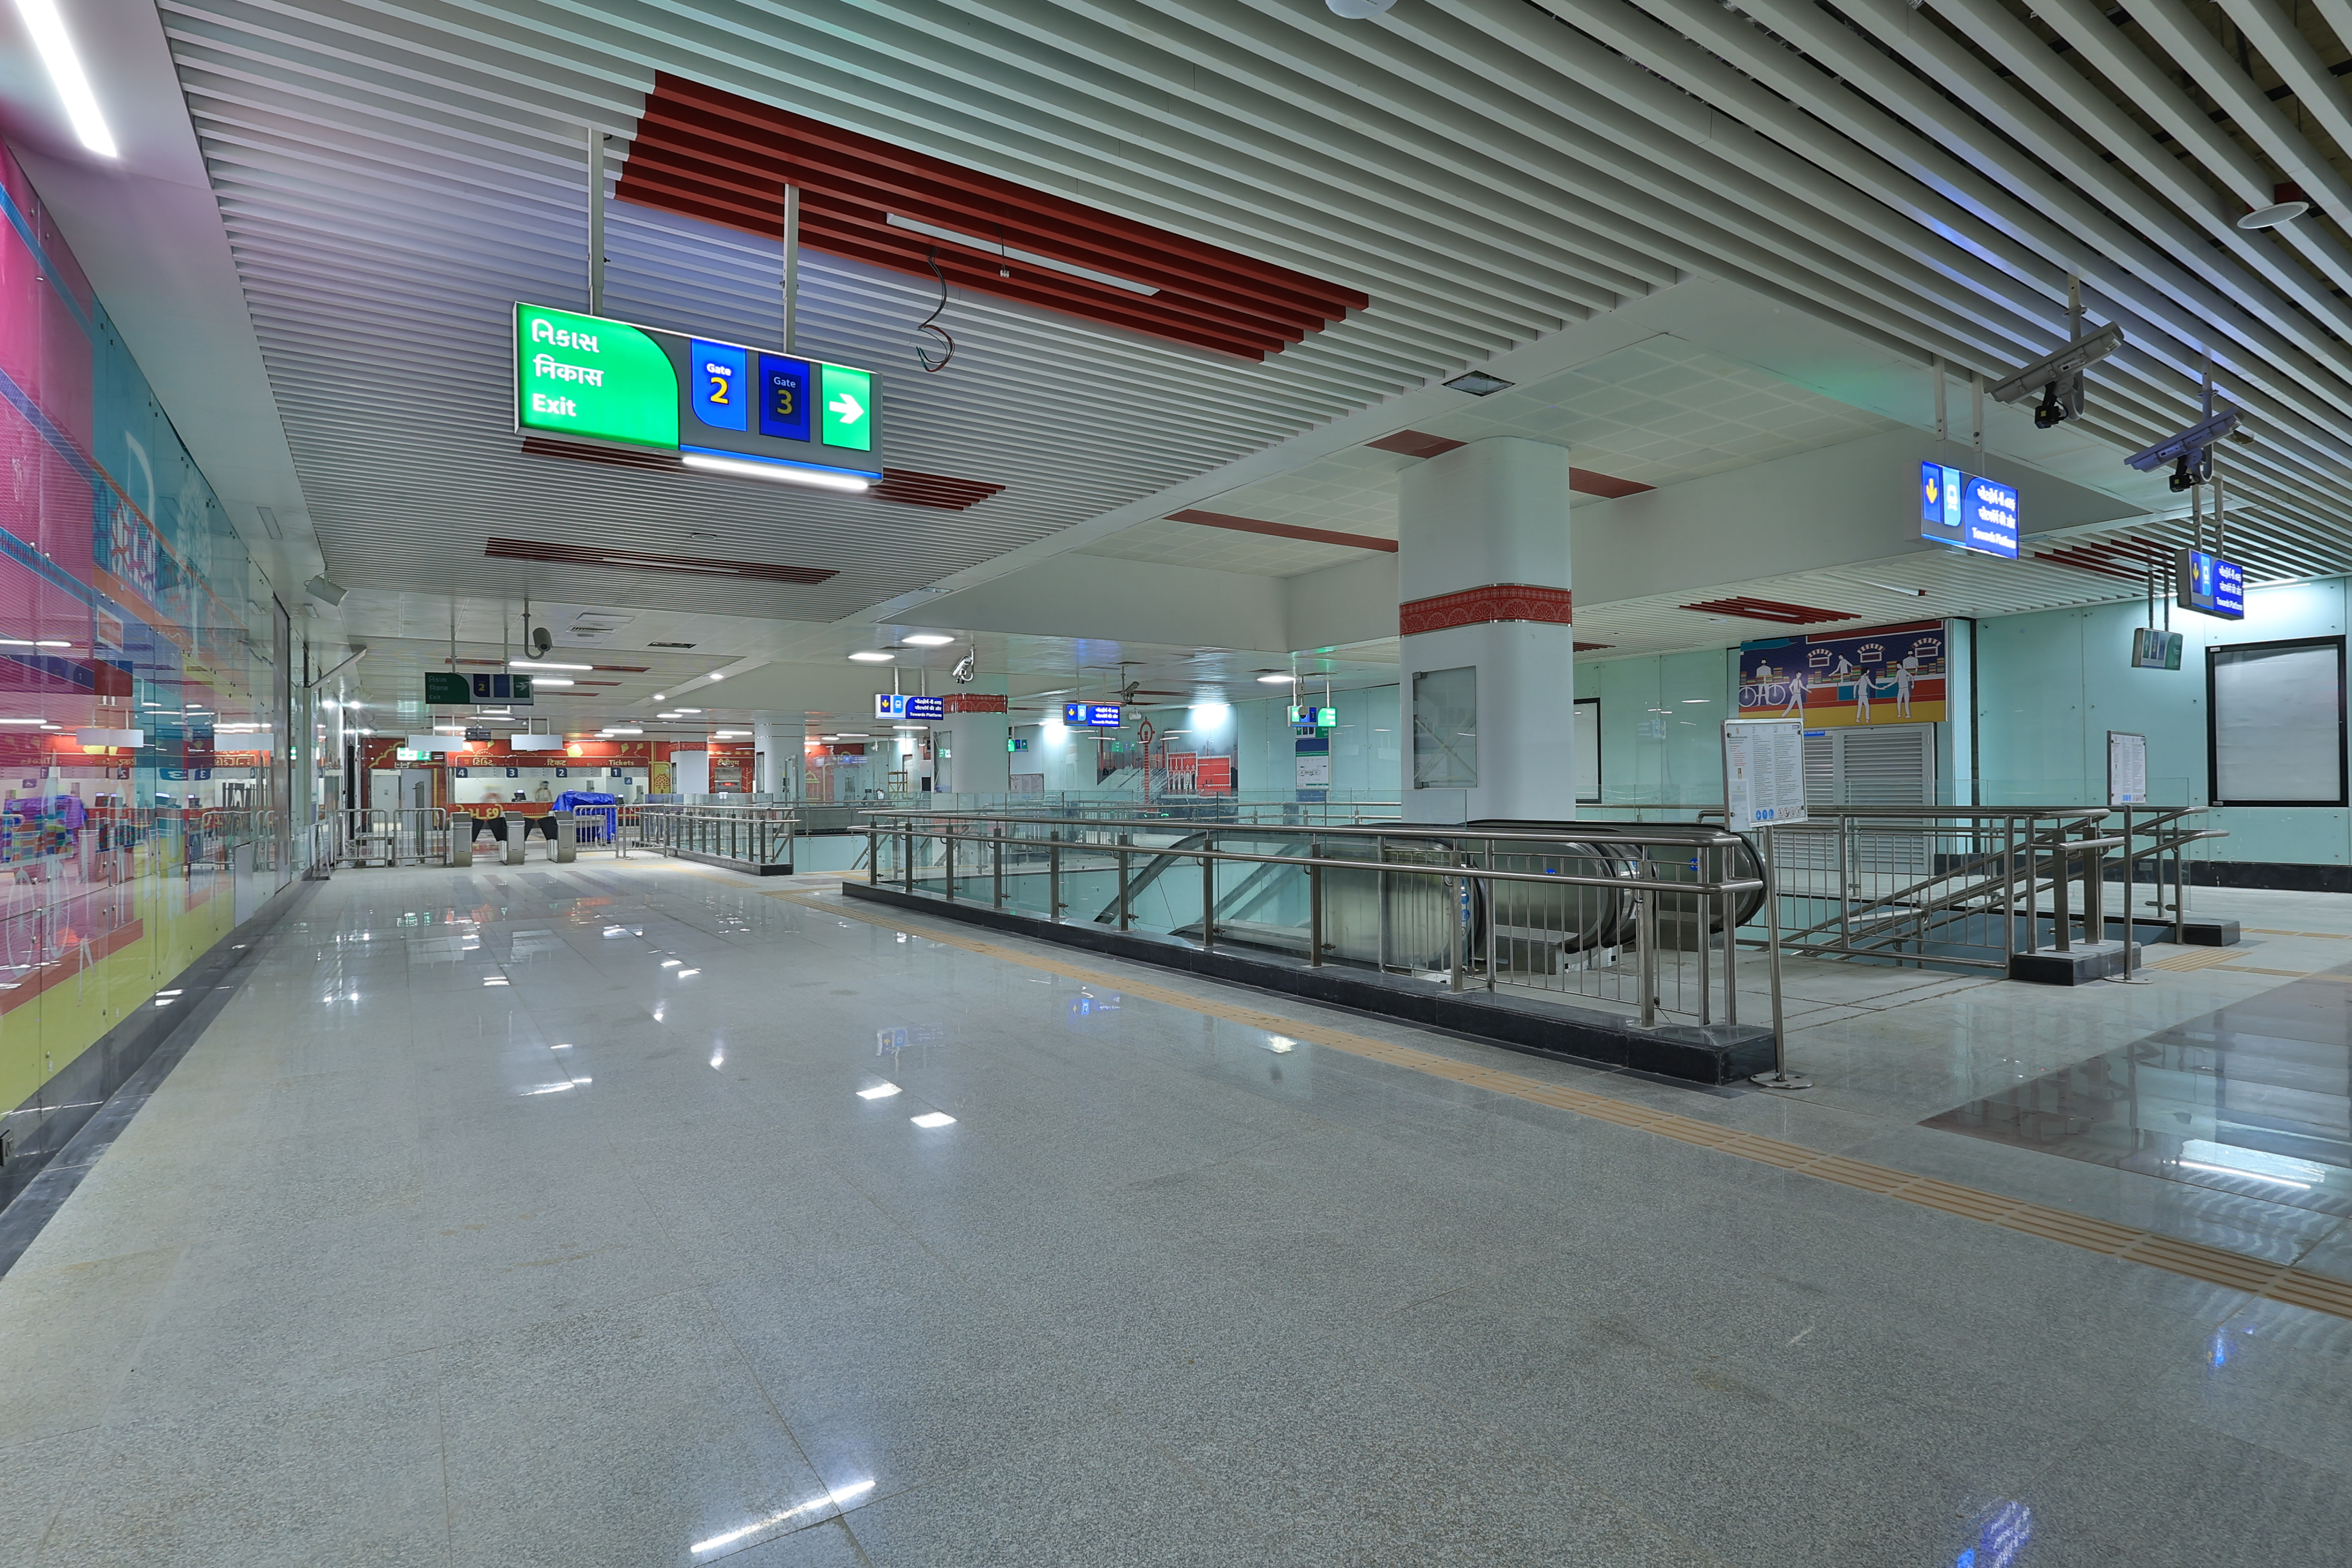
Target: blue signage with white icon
<point>783,397</point>
<point>1095,715</point>
<point>1968,512</point>
<point>892,705</point>
<point>722,391</point>
<point>2209,585</point>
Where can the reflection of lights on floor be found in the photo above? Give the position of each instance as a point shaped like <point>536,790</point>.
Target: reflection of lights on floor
<point>879,1091</point>
<point>839,1495</point>
<point>933,1119</point>
<point>2230,1160</point>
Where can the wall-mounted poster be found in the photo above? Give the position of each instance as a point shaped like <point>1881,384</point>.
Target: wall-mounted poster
<point>1886,675</point>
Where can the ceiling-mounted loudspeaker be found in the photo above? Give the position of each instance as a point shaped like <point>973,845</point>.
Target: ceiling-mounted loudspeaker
<point>542,642</point>
<point>1357,10</point>
<point>322,588</point>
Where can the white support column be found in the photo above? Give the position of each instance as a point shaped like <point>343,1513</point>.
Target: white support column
<point>1489,688</point>
<point>768,776</point>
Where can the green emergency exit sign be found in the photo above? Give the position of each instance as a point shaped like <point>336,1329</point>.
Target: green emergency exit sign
<point>583,375</point>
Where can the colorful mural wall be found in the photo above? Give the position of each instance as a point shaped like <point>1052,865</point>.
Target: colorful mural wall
<point>144,710</point>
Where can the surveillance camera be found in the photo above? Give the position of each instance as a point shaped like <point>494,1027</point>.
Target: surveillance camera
<point>966,667</point>
<point>2187,444</point>
<point>542,642</point>
<point>328,593</point>
<point>1357,10</point>
<point>2070,361</point>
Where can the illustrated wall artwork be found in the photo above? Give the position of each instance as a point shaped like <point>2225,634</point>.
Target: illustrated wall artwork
<point>1886,675</point>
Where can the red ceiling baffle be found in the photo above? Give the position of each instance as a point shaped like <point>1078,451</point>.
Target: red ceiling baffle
<point>716,156</point>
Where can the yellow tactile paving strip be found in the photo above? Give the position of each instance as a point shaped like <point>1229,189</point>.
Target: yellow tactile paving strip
<point>2215,1265</point>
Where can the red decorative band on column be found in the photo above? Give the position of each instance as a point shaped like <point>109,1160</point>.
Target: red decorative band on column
<point>1478,606</point>
<point>976,702</point>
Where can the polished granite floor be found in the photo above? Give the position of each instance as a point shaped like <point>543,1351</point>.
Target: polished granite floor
<point>636,1215</point>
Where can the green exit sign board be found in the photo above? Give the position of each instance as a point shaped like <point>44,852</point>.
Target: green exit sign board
<point>592,378</point>
<point>440,689</point>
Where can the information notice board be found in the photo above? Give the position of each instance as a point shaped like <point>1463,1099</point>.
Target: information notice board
<point>1763,772</point>
<point>2126,769</point>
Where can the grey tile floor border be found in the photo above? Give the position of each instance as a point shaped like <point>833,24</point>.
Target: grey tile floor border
<point>220,971</point>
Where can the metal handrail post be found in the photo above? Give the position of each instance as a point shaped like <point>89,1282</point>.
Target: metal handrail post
<point>906,859</point>
<point>1052,875</point>
<point>1126,914</point>
<point>2095,896</point>
<point>1779,1078</point>
<point>996,865</point>
<point>1456,888</point>
<point>2062,923</point>
<point>947,850</point>
<point>1314,909</point>
<point>1646,971</point>
<point>1845,882</point>
<point>1208,894</point>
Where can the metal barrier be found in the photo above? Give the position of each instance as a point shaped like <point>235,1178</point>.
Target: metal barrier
<point>752,835</point>
<point>1968,886</point>
<point>1634,916</point>
<point>394,836</point>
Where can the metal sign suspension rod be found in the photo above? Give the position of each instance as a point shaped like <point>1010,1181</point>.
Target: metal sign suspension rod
<point>595,221</point>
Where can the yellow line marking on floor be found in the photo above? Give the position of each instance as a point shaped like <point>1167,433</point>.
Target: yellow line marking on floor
<point>2330,935</point>
<point>2196,958</point>
<point>2249,969</point>
<point>2216,1265</point>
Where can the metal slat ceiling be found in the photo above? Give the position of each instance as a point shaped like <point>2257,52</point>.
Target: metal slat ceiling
<point>1485,170</point>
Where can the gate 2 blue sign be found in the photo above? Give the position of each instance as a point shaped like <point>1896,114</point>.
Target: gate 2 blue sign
<point>1968,512</point>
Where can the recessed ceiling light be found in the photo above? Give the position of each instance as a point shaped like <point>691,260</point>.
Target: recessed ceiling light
<point>624,729</point>
<point>872,655</point>
<point>542,664</point>
<point>926,639</point>
<point>1478,384</point>
<point>2272,217</point>
<point>552,680</point>
<point>689,709</point>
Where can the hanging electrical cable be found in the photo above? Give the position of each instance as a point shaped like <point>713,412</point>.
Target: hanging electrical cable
<point>929,324</point>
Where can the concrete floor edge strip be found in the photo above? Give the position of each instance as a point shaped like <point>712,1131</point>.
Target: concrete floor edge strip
<point>2256,1277</point>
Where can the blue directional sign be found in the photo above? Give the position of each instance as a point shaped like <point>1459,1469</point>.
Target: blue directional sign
<point>2209,585</point>
<point>1968,512</point>
<point>783,397</point>
<point>892,705</point>
<point>722,390</point>
<point>1096,715</point>
<point>1988,512</point>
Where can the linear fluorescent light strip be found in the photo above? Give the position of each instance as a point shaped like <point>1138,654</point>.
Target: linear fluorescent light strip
<point>1070,267</point>
<point>757,468</point>
<point>56,45</point>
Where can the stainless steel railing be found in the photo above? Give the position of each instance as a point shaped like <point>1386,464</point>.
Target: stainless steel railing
<point>392,836</point>
<point>1971,885</point>
<point>1633,916</point>
<point>748,834</point>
